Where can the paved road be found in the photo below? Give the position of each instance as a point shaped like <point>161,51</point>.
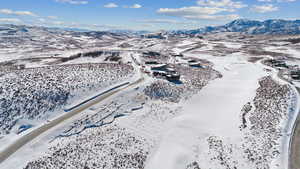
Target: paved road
<point>294,145</point>
<point>40,130</point>
<point>294,154</point>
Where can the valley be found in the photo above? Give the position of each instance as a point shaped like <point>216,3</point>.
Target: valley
<point>222,100</point>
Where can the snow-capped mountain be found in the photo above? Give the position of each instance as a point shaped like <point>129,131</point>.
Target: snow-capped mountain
<point>267,27</point>
<point>129,32</point>
<point>38,31</point>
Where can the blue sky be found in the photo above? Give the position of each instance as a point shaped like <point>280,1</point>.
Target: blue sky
<point>142,14</point>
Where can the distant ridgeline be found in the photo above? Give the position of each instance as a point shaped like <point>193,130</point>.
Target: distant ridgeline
<point>253,27</point>
<point>268,27</point>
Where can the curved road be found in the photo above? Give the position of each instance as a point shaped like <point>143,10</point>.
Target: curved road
<point>294,144</point>
<point>4,154</point>
<point>294,155</point>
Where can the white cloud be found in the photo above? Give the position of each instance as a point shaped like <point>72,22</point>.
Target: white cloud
<point>190,11</point>
<point>102,27</point>
<point>207,10</point>
<point>264,0</point>
<point>222,3</point>
<point>52,17</point>
<point>58,23</point>
<point>214,17</point>
<point>73,2</point>
<point>264,8</point>
<point>276,0</point>
<point>90,26</point>
<point>136,6</point>
<point>147,25</point>
<point>6,20</point>
<point>48,19</point>
<point>286,0</point>
<point>200,13</point>
<point>24,13</point>
<point>111,5</point>
<point>164,21</point>
<point>11,12</point>
<point>42,20</point>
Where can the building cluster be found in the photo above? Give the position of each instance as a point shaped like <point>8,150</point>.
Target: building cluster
<point>277,63</point>
<point>185,81</point>
<point>166,71</point>
<point>293,71</point>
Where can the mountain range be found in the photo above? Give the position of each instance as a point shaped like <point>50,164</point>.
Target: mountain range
<point>246,26</point>
<point>267,27</point>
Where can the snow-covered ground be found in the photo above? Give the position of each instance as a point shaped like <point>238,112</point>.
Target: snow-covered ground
<point>230,112</point>
<point>40,146</point>
<point>288,50</point>
<point>214,111</point>
<point>31,93</point>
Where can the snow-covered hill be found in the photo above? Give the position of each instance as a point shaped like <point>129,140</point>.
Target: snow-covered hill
<point>267,27</point>
<point>221,100</point>
<point>20,41</point>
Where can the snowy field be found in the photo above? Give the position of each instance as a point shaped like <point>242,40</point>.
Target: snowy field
<point>36,93</point>
<point>227,110</point>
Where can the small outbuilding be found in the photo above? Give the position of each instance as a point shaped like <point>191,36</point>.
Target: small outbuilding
<point>151,62</point>
<point>295,74</point>
<point>160,67</point>
<point>173,77</point>
<point>196,65</point>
